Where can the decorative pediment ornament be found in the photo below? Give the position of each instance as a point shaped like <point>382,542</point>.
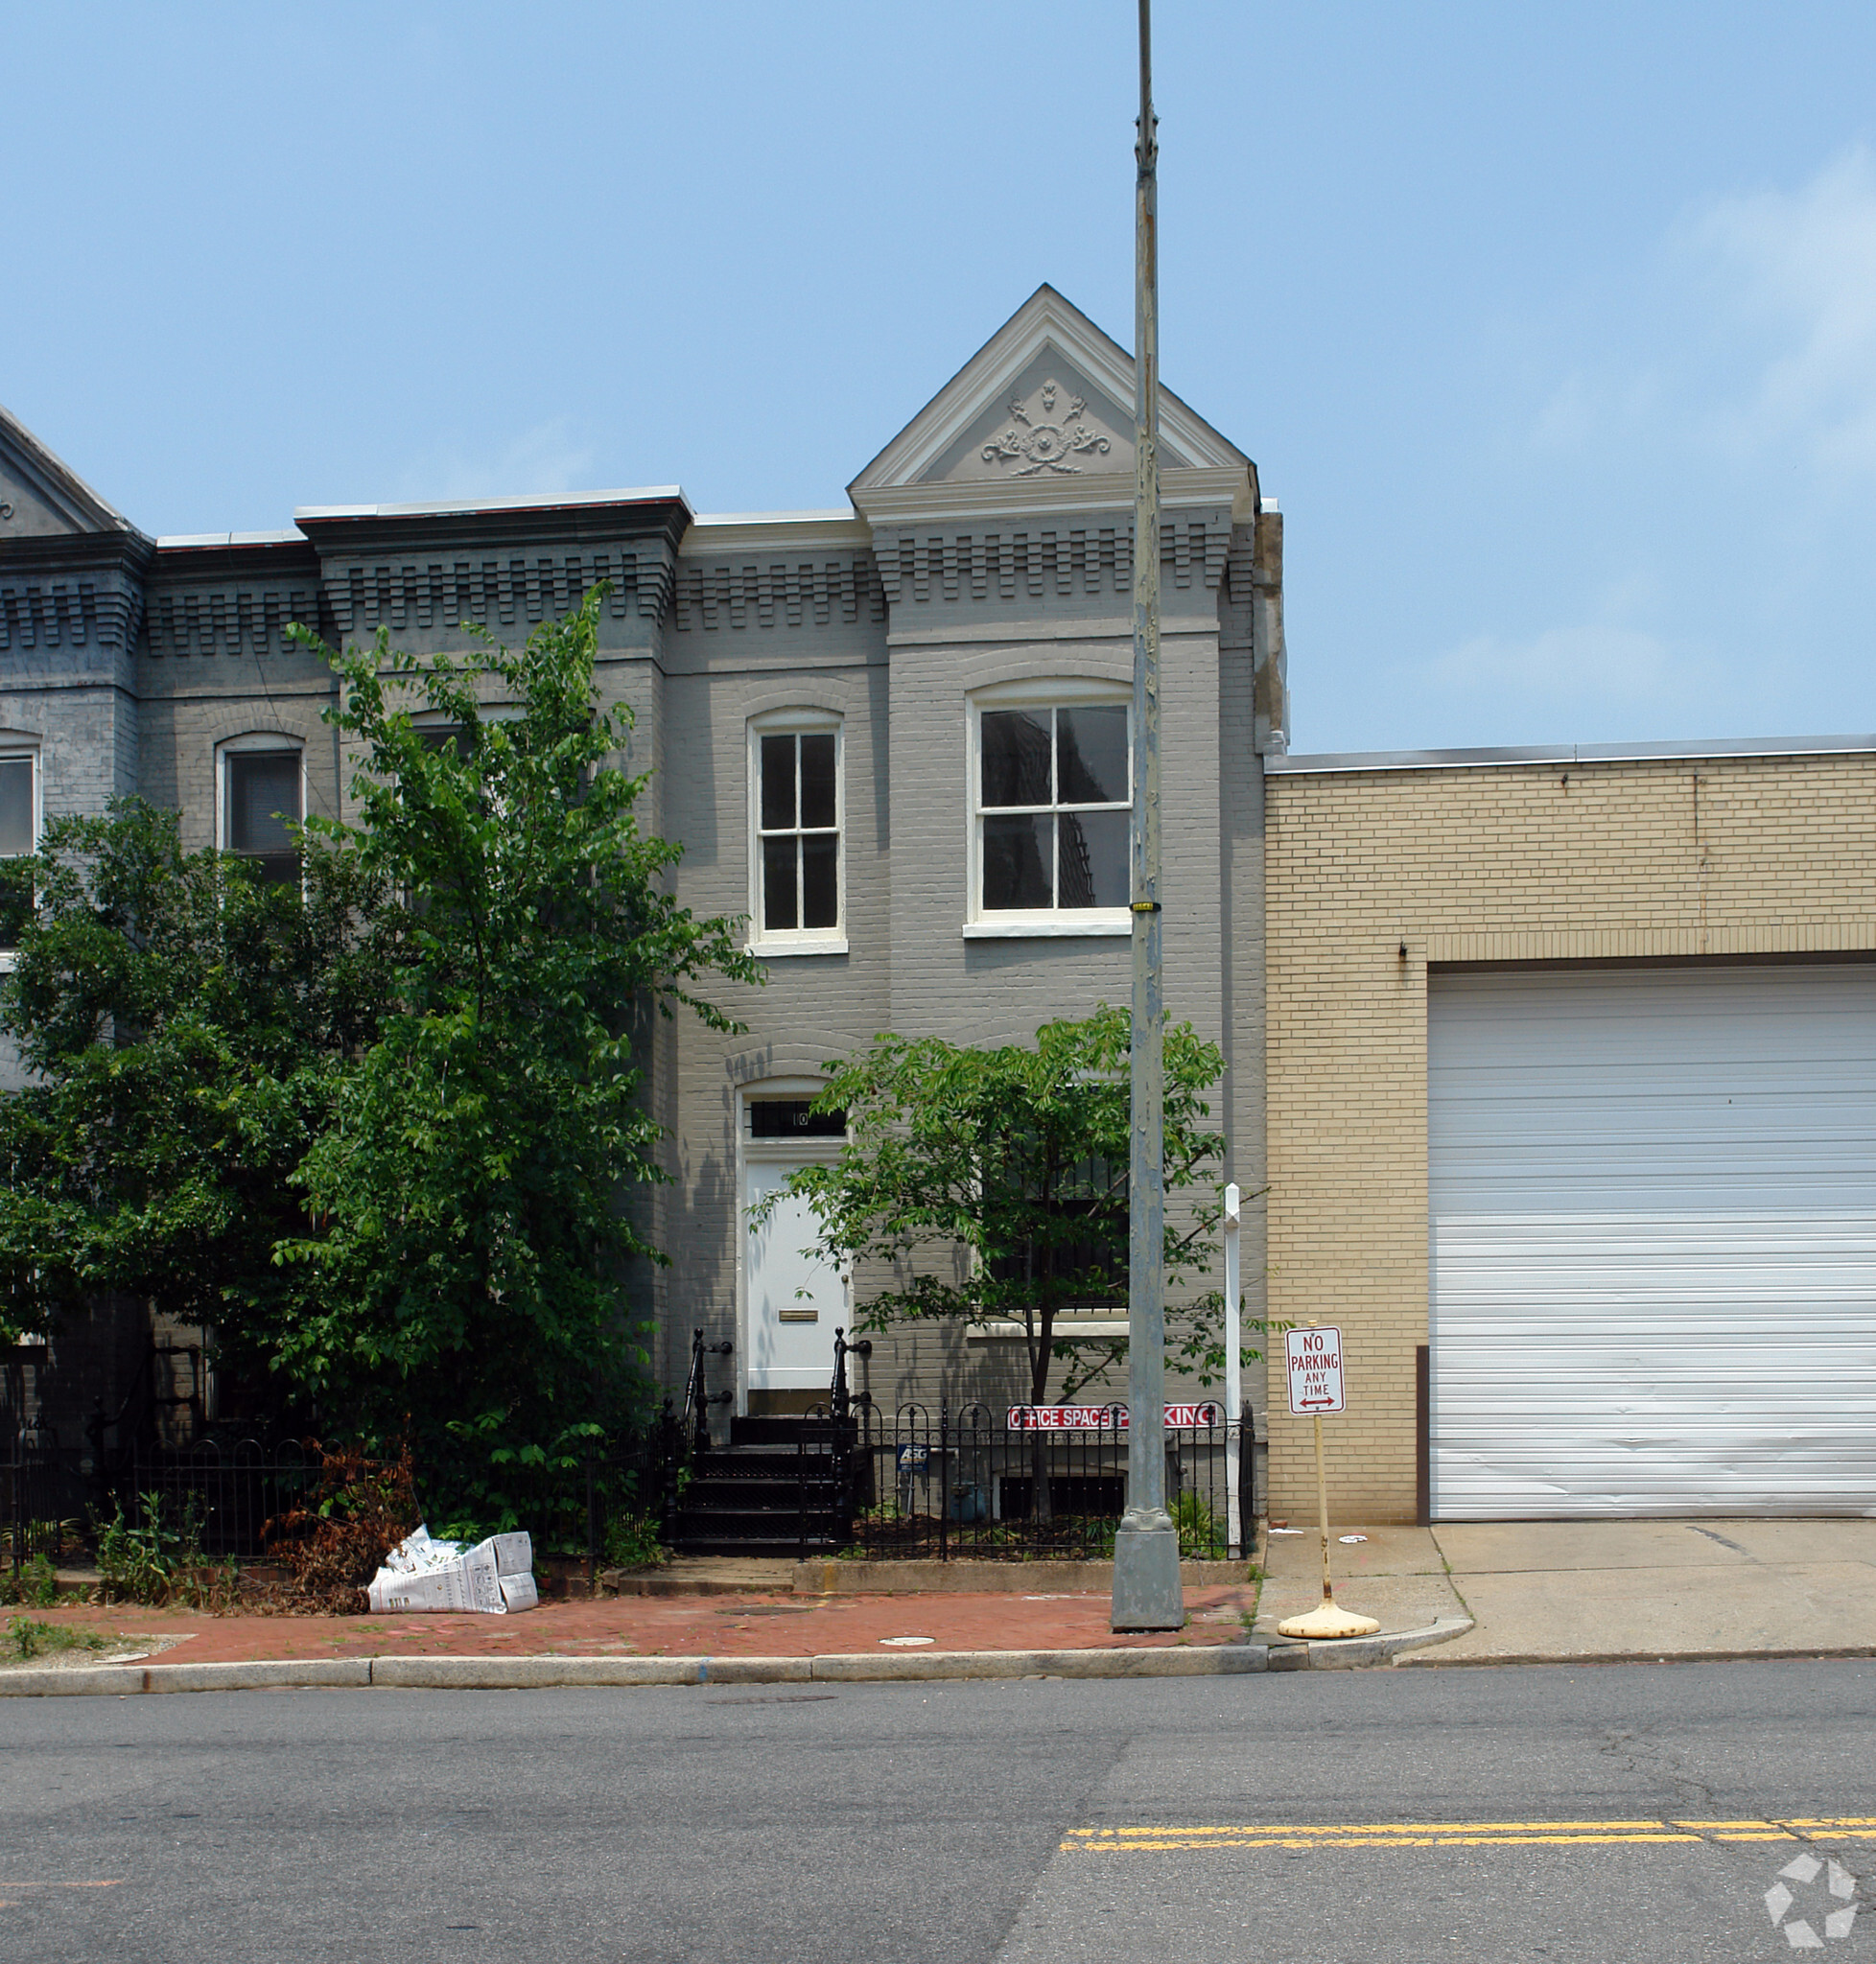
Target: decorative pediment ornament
<point>1038,443</point>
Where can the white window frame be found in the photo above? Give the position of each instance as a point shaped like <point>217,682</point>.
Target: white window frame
<point>277,741</point>
<point>1007,923</point>
<point>766,942</point>
<point>14,751</point>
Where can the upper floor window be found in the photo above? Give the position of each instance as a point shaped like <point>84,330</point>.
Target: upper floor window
<point>797,799</point>
<point>19,829</point>
<point>1053,794</point>
<point>262,797</point>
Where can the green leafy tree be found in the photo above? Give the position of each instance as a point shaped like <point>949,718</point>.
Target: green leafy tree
<point>990,1185</point>
<point>466,1270</point>
<point>182,1025</point>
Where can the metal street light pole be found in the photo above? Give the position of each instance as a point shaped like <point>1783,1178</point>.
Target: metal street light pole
<point>1146,1590</point>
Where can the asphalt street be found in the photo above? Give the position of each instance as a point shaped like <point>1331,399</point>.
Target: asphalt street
<point>1619,1813</point>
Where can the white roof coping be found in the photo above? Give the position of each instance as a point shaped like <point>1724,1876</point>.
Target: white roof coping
<point>289,537</point>
<point>632,495</point>
<point>843,514</point>
<point>774,531</point>
<point>1566,753</point>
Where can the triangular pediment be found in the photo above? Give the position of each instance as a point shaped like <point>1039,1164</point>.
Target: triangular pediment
<point>1047,399</point>
<point>47,498</point>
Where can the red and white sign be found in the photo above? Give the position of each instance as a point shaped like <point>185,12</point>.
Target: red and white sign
<point>1108,1417</point>
<point>1314,1359</point>
<point>1189,1417</point>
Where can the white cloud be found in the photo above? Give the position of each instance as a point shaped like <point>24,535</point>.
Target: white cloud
<point>1800,268</point>
<point>541,462</point>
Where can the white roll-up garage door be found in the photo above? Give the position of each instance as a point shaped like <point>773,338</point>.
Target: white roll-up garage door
<point>1653,1241</point>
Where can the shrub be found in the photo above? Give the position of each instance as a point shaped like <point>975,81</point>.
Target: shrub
<point>333,1547</point>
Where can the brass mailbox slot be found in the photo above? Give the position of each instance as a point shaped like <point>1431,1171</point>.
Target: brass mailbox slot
<point>799,1316</point>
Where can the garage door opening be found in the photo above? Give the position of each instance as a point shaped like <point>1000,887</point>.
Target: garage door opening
<point>1653,1241</point>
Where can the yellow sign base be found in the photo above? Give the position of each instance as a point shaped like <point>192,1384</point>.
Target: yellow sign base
<point>1329,1620</point>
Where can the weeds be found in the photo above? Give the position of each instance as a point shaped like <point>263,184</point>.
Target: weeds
<point>25,1637</point>
<point>147,1559</point>
<point>37,1585</point>
<point>632,1543</point>
<point>1201,1532</point>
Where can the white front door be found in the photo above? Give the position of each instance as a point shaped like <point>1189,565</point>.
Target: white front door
<point>796,1301</point>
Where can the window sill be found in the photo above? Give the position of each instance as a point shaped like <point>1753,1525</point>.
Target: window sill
<point>808,945</point>
<point>1057,927</point>
<point>1110,1326</point>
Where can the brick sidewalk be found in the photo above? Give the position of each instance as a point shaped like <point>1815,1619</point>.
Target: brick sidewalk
<point>761,1624</point>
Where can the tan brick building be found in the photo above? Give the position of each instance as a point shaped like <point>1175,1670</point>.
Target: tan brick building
<point>1646,978</point>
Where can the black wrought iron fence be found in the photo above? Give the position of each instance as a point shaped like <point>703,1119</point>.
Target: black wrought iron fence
<point>613,1509</point>
<point>1029,1483</point>
<point>219,1496</point>
<point>45,1501</point>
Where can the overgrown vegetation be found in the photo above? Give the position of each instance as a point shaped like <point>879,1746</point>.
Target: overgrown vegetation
<point>1201,1531</point>
<point>156,1557</point>
<point>27,1637</point>
<point>37,1585</point>
<point>181,1023</point>
<point>631,1542</point>
<point>332,1547</point>
<point>380,1129</point>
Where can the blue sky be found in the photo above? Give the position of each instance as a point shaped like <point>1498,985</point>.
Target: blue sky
<point>1552,329</point>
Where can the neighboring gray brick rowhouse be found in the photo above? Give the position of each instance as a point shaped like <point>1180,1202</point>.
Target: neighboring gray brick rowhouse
<point>823,699</point>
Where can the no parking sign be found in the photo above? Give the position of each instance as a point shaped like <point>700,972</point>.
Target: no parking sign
<point>1314,1359</point>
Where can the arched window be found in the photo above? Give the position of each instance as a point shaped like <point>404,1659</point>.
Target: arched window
<point>260,794</point>
<point>797,809</point>
<point>19,822</point>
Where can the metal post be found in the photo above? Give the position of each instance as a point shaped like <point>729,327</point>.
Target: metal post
<point>943,1473</point>
<point>1321,1510</point>
<point>592,1528</point>
<point>1146,1590</point>
<point>1233,1387</point>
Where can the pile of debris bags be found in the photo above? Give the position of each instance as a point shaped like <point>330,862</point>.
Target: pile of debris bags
<point>493,1578</point>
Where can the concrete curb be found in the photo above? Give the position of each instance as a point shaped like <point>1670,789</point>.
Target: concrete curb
<point>1815,1653</point>
<point>122,1680</point>
<point>863,1667</point>
<point>522,1673</point>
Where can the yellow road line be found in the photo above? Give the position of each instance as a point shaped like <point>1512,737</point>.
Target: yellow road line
<point>1400,1827</point>
<point>1377,1841</point>
<point>1167,1839</point>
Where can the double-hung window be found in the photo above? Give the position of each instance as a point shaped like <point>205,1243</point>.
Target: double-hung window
<point>798,901</point>
<point>1052,798</point>
<point>19,834</point>
<point>261,801</point>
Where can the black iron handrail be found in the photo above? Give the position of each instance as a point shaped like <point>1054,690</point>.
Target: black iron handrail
<point>698,1396</point>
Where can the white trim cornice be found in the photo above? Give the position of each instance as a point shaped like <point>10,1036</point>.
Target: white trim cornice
<point>1181,490</point>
